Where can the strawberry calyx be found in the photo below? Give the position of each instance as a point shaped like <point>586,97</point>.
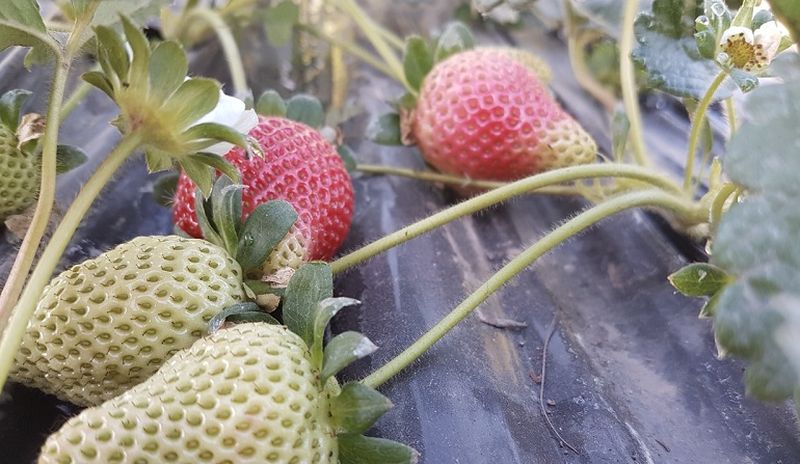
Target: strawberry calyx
<point>249,241</point>
<point>158,101</point>
<point>307,308</point>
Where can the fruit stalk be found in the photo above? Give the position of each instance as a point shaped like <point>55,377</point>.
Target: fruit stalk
<point>47,191</point>
<point>352,49</point>
<point>588,218</point>
<point>556,176</point>
<point>730,113</point>
<point>81,90</point>
<point>44,269</point>
<point>432,176</point>
<point>697,125</point>
<point>628,82</point>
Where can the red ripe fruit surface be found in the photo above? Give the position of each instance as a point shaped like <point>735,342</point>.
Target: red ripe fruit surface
<point>483,115</point>
<point>298,166</point>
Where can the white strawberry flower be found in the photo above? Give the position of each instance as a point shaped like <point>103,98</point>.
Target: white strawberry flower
<point>231,112</point>
<point>749,50</point>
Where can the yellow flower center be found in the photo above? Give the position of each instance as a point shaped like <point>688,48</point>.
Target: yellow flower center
<point>745,55</point>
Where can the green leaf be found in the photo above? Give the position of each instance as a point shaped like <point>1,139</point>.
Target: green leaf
<point>164,188</point>
<point>699,279</point>
<point>263,230</point>
<point>42,45</point>
<point>342,350</point>
<point>279,22</point>
<point>788,11</point>
<point>270,103</point>
<point>194,99</point>
<point>620,126</point>
<point>168,67</point>
<point>306,109</point>
<point>311,284</point>
<point>385,130</point>
<point>757,316</point>
<point>11,107</point>
<point>68,158</point>
<point>358,407</point>
<point>417,60</point>
<point>358,449</point>
<point>200,173</point>
<point>606,15</point>
<point>762,17</point>
<point>347,157</point>
<point>24,12</point>
<point>667,49</point>
<point>226,211</point>
<point>239,313</point>
<point>327,308</point>
<point>455,38</point>
<point>99,80</point>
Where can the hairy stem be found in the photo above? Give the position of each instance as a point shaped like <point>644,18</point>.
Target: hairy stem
<point>588,218</point>
<point>501,194</point>
<point>52,253</point>
<point>47,192</point>
<point>697,125</point>
<point>229,48</point>
<point>77,95</point>
<point>628,82</point>
<point>432,176</point>
<point>730,113</point>
<point>354,50</point>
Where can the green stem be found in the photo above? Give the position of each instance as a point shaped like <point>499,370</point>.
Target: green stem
<point>352,49</point>
<point>557,176</point>
<point>628,82</point>
<point>52,253</point>
<point>77,95</point>
<point>377,40</point>
<point>47,191</point>
<point>730,112</point>
<point>229,48</point>
<point>697,125</point>
<point>718,205</point>
<point>588,218</point>
<point>431,176</point>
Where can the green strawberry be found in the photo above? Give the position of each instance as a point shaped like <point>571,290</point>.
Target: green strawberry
<point>252,392</point>
<point>109,323</point>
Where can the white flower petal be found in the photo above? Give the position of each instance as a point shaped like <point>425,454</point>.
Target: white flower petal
<point>231,112</point>
<point>769,37</point>
<point>734,31</point>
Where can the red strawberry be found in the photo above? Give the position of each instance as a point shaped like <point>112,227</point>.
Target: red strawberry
<point>483,115</point>
<point>298,166</point>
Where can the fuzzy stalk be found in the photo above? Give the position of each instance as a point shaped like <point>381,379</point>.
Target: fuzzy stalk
<point>628,82</point>
<point>588,218</point>
<point>229,48</point>
<point>55,248</point>
<point>498,195</point>
<point>697,125</point>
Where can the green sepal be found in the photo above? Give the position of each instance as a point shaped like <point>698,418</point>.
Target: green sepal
<point>238,313</point>
<point>263,230</point>
<point>11,107</point>
<point>744,17</point>
<point>111,53</point>
<point>744,80</point>
<point>343,350</point>
<point>139,68</point>
<point>699,279</point>
<point>100,81</point>
<point>204,221</point>
<point>193,99</point>
<point>157,160</point>
<point>270,103</point>
<point>706,43</point>
<point>226,211</point>
<point>210,133</point>
<point>68,158</point>
<point>164,188</point>
<point>358,449</point>
<point>455,38</point>
<point>407,102</point>
<point>168,68</point>
<point>279,21</point>
<point>417,60</point>
<point>311,284</point>
<point>218,163</point>
<point>349,160</point>
<point>200,173</point>
<point>325,311</point>
<point>259,287</point>
<point>305,109</point>
<point>385,130</point>
<point>357,407</point>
